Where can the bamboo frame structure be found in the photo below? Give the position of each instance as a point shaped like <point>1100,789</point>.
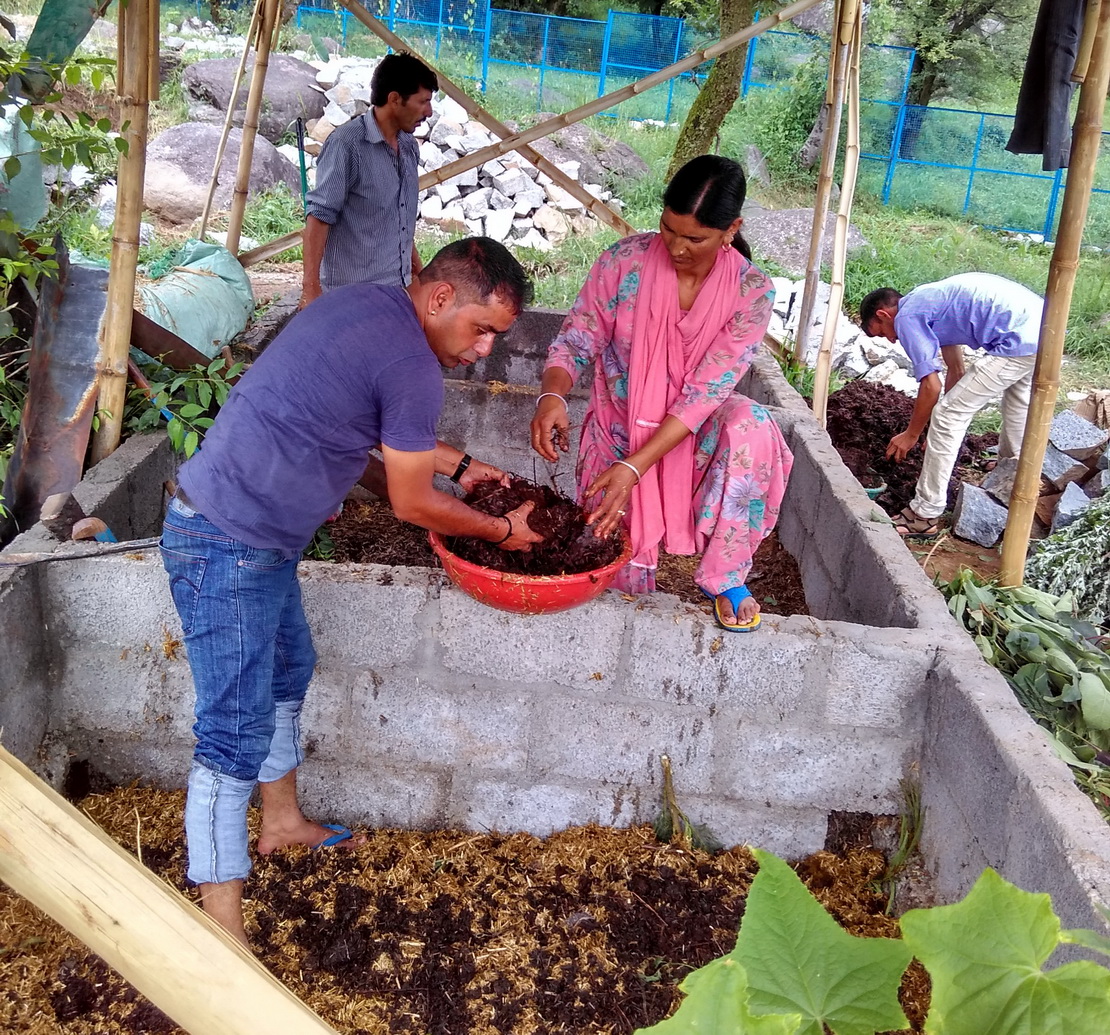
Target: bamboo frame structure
<point>214,182</point>
<point>187,965</point>
<point>135,30</point>
<point>853,31</point>
<point>1086,41</point>
<point>268,29</point>
<point>1061,282</point>
<point>479,114</point>
<point>833,107</point>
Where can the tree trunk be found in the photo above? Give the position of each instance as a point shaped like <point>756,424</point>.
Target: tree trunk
<point>720,92</point>
<point>811,149</point>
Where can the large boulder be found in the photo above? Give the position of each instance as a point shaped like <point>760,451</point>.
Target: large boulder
<point>783,235</point>
<point>601,159</point>
<point>291,93</point>
<point>179,167</point>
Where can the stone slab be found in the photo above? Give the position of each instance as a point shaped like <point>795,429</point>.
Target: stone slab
<point>1077,437</point>
<point>977,517</point>
<point>1072,503</point>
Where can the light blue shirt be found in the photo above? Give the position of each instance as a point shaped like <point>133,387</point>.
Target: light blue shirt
<point>979,310</point>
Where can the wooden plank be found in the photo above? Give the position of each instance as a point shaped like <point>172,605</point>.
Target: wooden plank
<point>165,946</point>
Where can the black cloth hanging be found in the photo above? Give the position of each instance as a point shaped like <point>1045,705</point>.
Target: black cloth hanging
<point>1041,125</point>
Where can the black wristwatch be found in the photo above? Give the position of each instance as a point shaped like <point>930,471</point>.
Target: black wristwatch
<point>464,463</point>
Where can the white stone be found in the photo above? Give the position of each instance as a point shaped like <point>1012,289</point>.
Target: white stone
<point>450,109</point>
<point>498,201</point>
<point>511,182</point>
<point>475,141</point>
<point>784,292</point>
<point>455,142</point>
<point>562,200</point>
<point>534,239</point>
<point>881,371</point>
<point>499,223</point>
<point>443,129</point>
<point>328,76</point>
<point>447,192</point>
<point>552,222</point>
<point>476,203</point>
<point>430,156</point>
<point>467,178</point>
<point>493,167</point>
<point>850,361</point>
<point>596,190</point>
<point>335,114</point>
<point>570,169</point>
<point>292,152</point>
<point>528,200</point>
<point>474,227</point>
<point>431,208</point>
<point>421,132</point>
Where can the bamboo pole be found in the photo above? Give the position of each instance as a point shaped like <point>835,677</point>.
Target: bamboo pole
<point>267,28</point>
<point>214,182</point>
<point>833,106</point>
<point>185,964</point>
<point>133,85</point>
<point>1086,41</point>
<point>686,64</point>
<point>153,52</point>
<point>479,114</point>
<point>843,215</point>
<point>1061,282</point>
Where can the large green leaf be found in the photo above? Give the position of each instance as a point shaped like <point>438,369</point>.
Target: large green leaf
<point>799,960</point>
<point>984,956</point>
<point>717,1004</point>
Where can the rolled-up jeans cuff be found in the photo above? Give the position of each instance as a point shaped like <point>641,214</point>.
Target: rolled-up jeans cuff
<point>285,746</point>
<point>216,826</point>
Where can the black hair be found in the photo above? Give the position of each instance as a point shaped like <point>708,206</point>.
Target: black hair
<point>712,189</point>
<point>403,73</point>
<point>880,298</point>
<point>480,268</point>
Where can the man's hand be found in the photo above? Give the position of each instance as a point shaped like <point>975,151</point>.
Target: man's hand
<point>522,537</point>
<point>900,445</point>
<point>309,294</point>
<point>477,472</point>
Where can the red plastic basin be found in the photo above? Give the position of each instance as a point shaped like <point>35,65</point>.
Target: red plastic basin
<point>528,594</point>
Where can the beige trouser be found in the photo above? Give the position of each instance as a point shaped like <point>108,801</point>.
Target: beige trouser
<point>991,376</point>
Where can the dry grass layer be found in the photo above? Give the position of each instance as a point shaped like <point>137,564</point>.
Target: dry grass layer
<point>441,933</point>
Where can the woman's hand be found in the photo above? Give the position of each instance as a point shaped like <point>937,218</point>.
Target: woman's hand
<point>477,472</point>
<point>522,536</point>
<point>550,427</point>
<point>614,489</point>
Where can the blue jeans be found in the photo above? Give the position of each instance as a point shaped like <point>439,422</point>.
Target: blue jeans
<point>251,656</point>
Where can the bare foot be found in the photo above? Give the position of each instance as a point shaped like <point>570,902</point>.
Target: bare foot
<point>749,608</point>
<point>276,835</point>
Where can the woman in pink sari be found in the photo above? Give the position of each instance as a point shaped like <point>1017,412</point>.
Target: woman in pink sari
<point>671,321</point>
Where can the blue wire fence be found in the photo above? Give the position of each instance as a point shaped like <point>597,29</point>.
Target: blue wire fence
<point>945,160</point>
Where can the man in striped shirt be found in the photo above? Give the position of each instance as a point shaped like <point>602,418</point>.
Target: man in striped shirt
<point>361,217</point>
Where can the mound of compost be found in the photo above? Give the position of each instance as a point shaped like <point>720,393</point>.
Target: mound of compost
<point>443,932</point>
<point>569,545</point>
<point>862,419</point>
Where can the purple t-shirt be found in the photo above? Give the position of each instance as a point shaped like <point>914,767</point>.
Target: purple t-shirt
<point>979,310</point>
<point>349,373</point>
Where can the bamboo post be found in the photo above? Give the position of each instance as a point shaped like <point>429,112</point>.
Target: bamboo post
<point>1061,281</point>
<point>1086,41</point>
<point>153,52</point>
<point>853,31</point>
<point>267,28</point>
<point>834,103</point>
<point>185,964</point>
<point>133,85</point>
<point>214,182</point>
<point>479,114</point>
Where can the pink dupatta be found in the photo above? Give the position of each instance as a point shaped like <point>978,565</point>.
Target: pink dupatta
<point>668,345</point>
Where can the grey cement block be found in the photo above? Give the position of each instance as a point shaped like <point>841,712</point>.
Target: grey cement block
<point>580,648</point>
<point>542,808</point>
<point>614,742</point>
<point>788,832</point>
<point>519,355</point>
<point>405,720</point>
<point>326,715</point>
<point>125,489</point>
<point>977,517</point>
<point>374,795</point>
<point>24,674</point>
<point>124,758</point>
<point>685,659</point>
<point>855,770</point>
<point>367,614</point>
<point>769,387</point>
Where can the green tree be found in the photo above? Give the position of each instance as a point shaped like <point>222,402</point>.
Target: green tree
<point>720,91</point>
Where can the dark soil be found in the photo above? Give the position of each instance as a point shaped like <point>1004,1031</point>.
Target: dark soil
<point>569,545</point>
<point>368,533</point>
<point>444,933</point>
<point>862,419</point>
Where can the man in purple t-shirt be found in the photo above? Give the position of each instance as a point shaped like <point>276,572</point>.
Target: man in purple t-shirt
<point>981,311</point>
<point>356,370</point>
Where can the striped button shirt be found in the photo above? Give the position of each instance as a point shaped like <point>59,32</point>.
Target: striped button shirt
<point>367,193</point>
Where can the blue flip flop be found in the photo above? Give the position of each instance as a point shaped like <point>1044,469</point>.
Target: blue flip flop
<point>341,834</point>
<point>734,596</point>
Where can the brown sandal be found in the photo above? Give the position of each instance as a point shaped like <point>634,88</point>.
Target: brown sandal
<point>911,525</point>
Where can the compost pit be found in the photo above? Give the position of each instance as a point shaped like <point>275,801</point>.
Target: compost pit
<point>367,532</point>
<point>445,932</point>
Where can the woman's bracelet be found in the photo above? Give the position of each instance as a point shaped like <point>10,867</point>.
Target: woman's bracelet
<point>553,395</point>
<point>464,463</point>
<point>631,467</point>
<point>508,534</point>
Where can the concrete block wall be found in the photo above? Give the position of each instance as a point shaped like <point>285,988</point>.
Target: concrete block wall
<point>430,710</point>
<point>25,693</point>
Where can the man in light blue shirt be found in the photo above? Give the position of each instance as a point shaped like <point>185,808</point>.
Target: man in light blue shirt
<point>981,311</point>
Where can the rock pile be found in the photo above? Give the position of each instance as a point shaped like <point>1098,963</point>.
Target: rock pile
<point>507,198</point>
<point>1076,470</point>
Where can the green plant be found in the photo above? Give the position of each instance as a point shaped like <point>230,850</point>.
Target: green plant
<point>1077,560</point>
<point>322,547</point>
<point>795,971</point>
<point>1053,662</point>
<point>802,377</point>
<point>186,403</point>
